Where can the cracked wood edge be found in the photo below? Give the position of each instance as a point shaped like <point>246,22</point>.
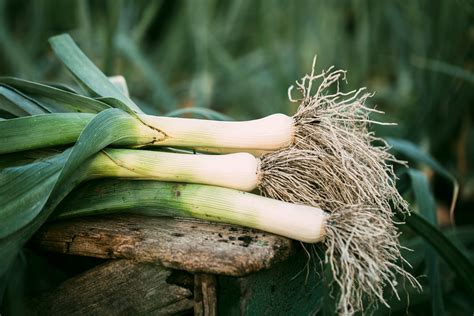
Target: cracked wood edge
<point>205,295</point>
<point>191,245</point>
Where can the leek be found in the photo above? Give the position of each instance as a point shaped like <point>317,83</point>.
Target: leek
<point>299,222</point>
<point>239,171</point>
<point>323,157</point>
<point>267,134</point>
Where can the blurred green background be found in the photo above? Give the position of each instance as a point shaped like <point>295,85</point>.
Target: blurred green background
<point>239,58</point>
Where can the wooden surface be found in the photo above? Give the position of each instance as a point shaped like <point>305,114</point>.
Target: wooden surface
<point>205,295</point>
<point>194,246</point>
<point>117,287</point>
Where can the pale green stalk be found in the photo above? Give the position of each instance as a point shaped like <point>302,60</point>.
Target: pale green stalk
<point>211,203</point>
<point>46,130</point>
<point>237,171</point>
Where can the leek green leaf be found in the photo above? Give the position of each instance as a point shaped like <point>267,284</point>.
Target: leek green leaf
<point>53,99</point>
<point>30,193</point>
<point>16,103</point>
<point>87,73</point>
<point>121,84</point>
<point>26,157</point>
<point>45,130</point>
<point>200,112</point>
<point>60,86</point>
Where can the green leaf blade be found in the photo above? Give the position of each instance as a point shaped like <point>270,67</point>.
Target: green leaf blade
<point>39,131</point>
<point>86,72</point>
<point>53,99</point>
<point>16,103</point>
<point>20,218</point>
<point>427,206</point>
<point>413,152</point>
<point>453,256</point>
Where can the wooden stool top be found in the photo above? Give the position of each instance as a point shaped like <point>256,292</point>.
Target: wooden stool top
<point>190,245</point>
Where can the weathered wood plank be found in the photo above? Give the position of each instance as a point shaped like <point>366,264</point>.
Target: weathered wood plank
<point>205,295</point>
<point>117,287</point>
<point>194,246</point>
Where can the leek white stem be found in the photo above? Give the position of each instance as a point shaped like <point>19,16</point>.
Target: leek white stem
<point>257,136</point>
<point>300,222</point>
<point>238,171</point>
<point>266,134</point>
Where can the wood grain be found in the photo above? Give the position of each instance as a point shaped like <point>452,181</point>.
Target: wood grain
<point>117,287</point>
<point>205,295</point>
<point>190,245</point>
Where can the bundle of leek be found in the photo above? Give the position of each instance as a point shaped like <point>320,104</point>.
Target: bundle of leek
<point>338,188</point>
<point>323,153</point>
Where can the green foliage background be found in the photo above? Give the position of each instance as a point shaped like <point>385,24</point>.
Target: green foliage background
<point>240,57</point>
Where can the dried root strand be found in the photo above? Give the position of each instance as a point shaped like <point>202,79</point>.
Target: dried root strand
<point>334,164</point>
<point>333,160</point>
<point>363,252</point>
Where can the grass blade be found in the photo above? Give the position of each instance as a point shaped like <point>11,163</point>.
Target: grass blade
<point>427,206</point>
<point>160,91</point>
<point>149,13</point>
<point>456,259</point>
<point>413,152</point>
<point>444,68</point>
